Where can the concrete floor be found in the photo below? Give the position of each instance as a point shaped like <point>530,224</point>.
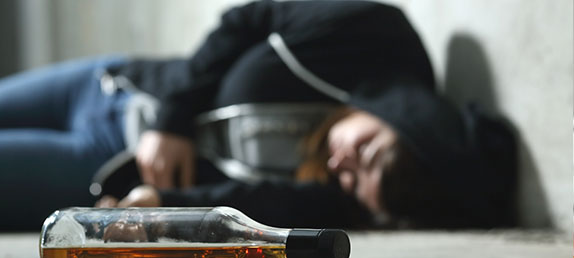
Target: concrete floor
<point>400,244</point>
<point>475,244</point>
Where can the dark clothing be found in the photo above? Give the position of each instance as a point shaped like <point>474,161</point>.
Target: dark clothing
<point>277,203</point>
<point>357,46</point>
<point>364,48</point>
<point>354,45</point>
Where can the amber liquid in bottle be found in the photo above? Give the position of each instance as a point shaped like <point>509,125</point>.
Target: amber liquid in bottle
<point>194,252</point>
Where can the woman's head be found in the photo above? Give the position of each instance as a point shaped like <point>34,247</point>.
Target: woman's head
<point>429,165</point>
<point>371,161</point>
<point>361,148</point>
<point>358,149</point>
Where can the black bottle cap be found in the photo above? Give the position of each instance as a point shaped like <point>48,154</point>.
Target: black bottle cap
<point>318,243</point>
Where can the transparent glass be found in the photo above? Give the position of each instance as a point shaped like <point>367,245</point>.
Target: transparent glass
<point>159,232</point>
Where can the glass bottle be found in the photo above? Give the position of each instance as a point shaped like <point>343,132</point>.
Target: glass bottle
<point>180,232</point>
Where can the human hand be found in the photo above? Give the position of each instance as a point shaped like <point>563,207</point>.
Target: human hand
<point>356,144</point>
<point>141,196</point>
<point>163,156</point>
<point>350,137</point>
<point>125,231</point>
<point>107,201</point>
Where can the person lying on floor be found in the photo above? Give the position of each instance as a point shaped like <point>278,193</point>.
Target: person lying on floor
<point>389,148</point>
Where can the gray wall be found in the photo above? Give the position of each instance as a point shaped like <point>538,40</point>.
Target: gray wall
<point>516,58</point>
<point>513,56</point>
<point>56,30</point>
<point>9,42</point>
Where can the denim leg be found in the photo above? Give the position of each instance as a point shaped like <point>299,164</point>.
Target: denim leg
<point>41,171</point>
<point>98,117</point>
<point>56,130</point>
<point>44,97</point>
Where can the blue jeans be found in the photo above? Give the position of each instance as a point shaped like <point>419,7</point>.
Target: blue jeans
<point>56,129</point>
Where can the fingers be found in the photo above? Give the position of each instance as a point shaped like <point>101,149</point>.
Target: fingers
<point>145,163</point>
<point>163,173</point>
<point>146,155</point>
<point>107,201</point>
<point>347,181</point>
<point>124,231</point>
<point>343,160</point>
<point>379,146</point>
<point>157,171</point>
<point>160,154</point>
<point>147,174</point>
<point>349,143</point>
<point>141,196</point>
<point>187,174</point>
<point>372,152</point>
<point>353,131</point>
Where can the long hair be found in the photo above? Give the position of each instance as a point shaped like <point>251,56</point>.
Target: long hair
<point>315,149</point>
<point>411,195</point>
<point>403,187</point>
<point>316,153</point>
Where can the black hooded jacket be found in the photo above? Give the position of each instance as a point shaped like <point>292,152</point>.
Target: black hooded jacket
<point>366,49</point>
<point>354,45</point>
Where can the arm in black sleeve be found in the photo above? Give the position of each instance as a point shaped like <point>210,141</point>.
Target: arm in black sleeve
<point>278,204</point>
<point>186,87</point>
